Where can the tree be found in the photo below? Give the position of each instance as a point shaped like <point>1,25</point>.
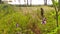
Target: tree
<point>30,2</point>
<point>45,2</point>
<point>55,5</point>
<point>59,4</point>
<point>27,2</point>
<point>0,1</point>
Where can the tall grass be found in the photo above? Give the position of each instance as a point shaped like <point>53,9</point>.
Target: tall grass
<point>14,21</point>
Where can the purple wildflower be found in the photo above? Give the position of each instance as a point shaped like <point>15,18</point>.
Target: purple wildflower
<point>44,21</point>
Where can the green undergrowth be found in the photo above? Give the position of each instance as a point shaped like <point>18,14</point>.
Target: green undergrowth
<point>10,17</point>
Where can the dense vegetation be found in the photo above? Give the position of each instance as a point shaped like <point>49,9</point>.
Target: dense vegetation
<point>22,20</point>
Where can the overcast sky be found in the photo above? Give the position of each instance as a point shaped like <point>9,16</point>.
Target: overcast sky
<point>34,2</point>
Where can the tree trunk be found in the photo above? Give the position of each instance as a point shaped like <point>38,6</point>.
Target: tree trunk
<point>59,5</point>
<point>27,2</point>
<point>0,1</point>
<point>30,2</point>
<point>45,2</point>
<point>56,9</point>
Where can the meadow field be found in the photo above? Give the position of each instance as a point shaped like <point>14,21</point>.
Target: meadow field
<point>27,20</point>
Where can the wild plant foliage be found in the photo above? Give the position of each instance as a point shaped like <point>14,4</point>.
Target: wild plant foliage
<point>13,21</point>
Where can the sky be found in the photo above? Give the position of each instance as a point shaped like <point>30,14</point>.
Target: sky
<point>34,2</point>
